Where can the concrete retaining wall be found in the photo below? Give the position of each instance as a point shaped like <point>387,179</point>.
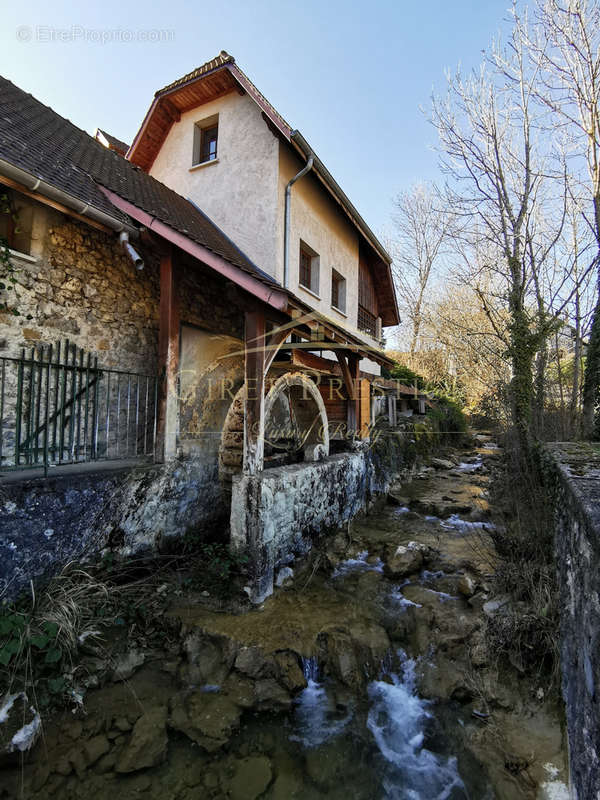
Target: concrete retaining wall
<point>274,515</point>
<point>575,482</point>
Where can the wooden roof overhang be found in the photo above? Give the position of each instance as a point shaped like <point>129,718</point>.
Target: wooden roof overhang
<point>322,333</point>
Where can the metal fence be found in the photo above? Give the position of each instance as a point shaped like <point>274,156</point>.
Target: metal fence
<point>57,406</point>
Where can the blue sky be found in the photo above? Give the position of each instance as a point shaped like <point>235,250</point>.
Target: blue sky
<point>351,76</point>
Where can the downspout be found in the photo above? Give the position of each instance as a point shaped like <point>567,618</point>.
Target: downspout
<point>131,253</point>
<point>286,231</point>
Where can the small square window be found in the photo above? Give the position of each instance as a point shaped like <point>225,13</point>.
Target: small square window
<point>309,269</point>
<point>338,291</point>
<point>206,134</point>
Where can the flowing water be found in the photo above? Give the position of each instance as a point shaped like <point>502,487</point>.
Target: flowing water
<point>392,707</point>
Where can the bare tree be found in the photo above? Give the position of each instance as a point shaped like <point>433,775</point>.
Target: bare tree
<point>492,153</point>
<point>422,229</point>
<point>565,40</point>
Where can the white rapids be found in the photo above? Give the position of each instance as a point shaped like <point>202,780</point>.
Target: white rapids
<point>397,721</point>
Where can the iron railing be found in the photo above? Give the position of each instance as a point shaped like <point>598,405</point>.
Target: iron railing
<point>57,406</point>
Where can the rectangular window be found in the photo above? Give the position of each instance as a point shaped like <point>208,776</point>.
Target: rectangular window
<point>206,134</point>
<point>338,291</point>
<point>308,276</point>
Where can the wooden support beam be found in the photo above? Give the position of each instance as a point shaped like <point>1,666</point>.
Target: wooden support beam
<point>168,360</point>
<point>351,374</point>
<point>354,402</point>
<point>276,339</point>
<point>254,403</point>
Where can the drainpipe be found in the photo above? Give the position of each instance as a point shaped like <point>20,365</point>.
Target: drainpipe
<point>286,231</point>
<point>133,254</point>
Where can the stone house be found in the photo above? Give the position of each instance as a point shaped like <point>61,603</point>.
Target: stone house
<point>205,309</point>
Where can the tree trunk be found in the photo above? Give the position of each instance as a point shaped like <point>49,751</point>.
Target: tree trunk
<point>591,378</point>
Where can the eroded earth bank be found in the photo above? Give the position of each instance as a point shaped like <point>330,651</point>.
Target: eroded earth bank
<point>367,675</point>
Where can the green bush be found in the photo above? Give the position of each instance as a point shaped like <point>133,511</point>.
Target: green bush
<point>447,420</point>
<point>406,375</point>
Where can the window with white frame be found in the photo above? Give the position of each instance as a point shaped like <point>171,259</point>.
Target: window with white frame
<point>206,134</point>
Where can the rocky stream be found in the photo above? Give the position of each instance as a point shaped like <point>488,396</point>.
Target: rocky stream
<point>367,675</point>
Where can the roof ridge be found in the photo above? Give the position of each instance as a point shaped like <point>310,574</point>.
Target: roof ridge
<point>214,63</point>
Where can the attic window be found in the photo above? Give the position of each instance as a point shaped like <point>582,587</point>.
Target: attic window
<point>206,134</point>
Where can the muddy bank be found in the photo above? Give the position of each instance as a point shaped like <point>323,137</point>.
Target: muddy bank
<point>367,674</point>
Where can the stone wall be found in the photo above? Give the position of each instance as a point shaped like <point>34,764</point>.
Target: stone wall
<point>275,515</point>
<point>574,470</point>
<point>76,283</point>
<point>49,522</point>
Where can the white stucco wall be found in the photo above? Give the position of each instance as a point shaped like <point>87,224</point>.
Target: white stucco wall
<point>318,221</point>
<point>238,191</point>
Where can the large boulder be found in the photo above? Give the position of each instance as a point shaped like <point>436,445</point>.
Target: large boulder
<point>405,559</point>
<point>290,672</point>
<point>251,661</point>
<point>353,654</point>
<point>209,658</point>
<point>209,719</point>
<point>147,744</point>
<point>251,777</point>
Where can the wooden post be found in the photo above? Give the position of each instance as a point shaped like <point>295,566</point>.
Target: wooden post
<point>354,401</point>
<point>168,360</point>
<point>254,404</point>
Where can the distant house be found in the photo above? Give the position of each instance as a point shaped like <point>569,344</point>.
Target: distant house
<point>208,294</point>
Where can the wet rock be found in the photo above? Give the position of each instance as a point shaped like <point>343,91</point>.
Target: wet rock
<point>271,696</point>
<point>240,690</point>
<point>326,765</point>
<point>73,729</point>
<point>95,748</point>
<point>147,745</point>
<point>290,672</point>
<point>395,499</point>
<point>441,463</point>
<point>251,778</point>
<point>495,606</point>
<point>127,664</point>
<point>404,560</point>
<point>354,655</point>
<point>467,585</point>
<point>444,680</point>
<point>253,662</point>
<point>478,600</point>
<point>288,786</point>
<point>207,719</point>
<point>209,658</point>
<point>285,577</point>
<point>107,762</point>
<point>122,724</point>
